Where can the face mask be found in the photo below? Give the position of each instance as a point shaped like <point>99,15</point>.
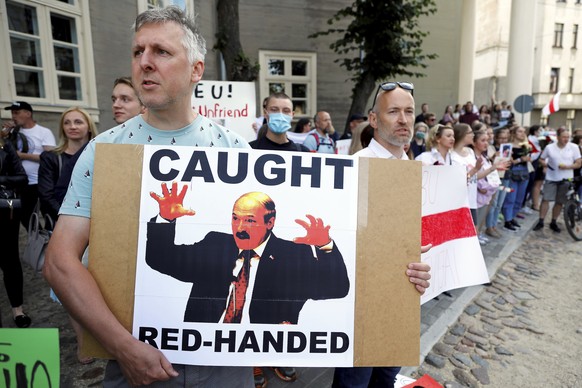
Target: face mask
<point>420,135</point>
<point>279,122</point>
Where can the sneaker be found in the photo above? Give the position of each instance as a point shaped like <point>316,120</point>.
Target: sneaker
<point>555,227</point>
<point>509,226</point>
<point>260,379</point>
<point>285,373</point>
<point>514,223</point>
<point>527,210</point>
<point>492,233</point>
<point>539,226</point>
<point>519,215</point>
<point>481,241</point>
<point>483,238</point>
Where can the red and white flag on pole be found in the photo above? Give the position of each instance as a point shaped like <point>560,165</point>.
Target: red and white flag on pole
<point>553,106</point>
<point>455,258</point>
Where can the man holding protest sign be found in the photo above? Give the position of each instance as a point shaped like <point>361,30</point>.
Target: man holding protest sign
<point>167,62</point>
<point>392,118</point>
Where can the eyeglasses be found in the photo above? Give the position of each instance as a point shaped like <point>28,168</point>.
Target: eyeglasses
<point>388,86</point>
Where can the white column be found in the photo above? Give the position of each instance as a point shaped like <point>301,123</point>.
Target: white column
<point>467,51</point>
<point>520,59</point>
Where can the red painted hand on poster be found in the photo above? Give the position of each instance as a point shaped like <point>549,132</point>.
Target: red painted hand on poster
<point>317,232</point>
<point>170,202</point>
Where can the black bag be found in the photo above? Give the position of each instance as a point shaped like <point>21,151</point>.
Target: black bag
<point>518,176</point>
<point>9,199</point>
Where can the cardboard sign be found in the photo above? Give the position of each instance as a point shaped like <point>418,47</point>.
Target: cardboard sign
<point>376,229</point>
<point>29,358</point>
<point>231,104</point>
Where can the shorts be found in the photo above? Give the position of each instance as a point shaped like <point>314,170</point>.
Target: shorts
<point>556,191</point>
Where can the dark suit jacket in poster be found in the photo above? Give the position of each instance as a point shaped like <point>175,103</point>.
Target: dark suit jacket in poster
<point>288,274</point>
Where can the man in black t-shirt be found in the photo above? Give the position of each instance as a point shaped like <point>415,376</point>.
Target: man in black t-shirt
<point>279,112</point>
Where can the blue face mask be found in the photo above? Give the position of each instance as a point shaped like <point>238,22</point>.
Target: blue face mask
<point>420,135</point>
<point>279,122</point>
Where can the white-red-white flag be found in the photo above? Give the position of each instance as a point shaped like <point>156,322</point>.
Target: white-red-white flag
<point>553,106</point>
<point>456,258</point>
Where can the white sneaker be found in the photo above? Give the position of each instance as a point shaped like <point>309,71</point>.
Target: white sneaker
<point>482,237</point>
<point>527,210</point>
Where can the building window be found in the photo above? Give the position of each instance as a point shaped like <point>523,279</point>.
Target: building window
<point>292,73</point>
<point>49,50</point>
<point>571,81</point>
<point>558,34</point>
<point>143,5</point>
<point>554,80</point>
<point>575,36</point>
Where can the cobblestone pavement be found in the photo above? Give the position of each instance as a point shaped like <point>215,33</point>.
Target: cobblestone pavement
<point>521,315</point>
<point>463,336</point>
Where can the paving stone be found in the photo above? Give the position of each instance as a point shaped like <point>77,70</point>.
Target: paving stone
<point>472,309</point>
<point>501,350</point>
<point>442,349</point>
<point>524,295</point>
<point>495,341</point>
<point>466,360</point>
<point>465,379</point>
<point>490,321</point>
<point>579,330</point>
<point>479,360</point>
<point>522,349</point>
<point>482,375</point>
<point>489,315</point>
<point>526,321</point>
<point>484,305</point>
<point>501,337</point>
<point>457,363</point>
<point>482,353</point>
<point>502,307</point>
<point>475,330</point>
<point>458,329</point>
<point>451,339</point>
<point>435,360</point>
<point>512,336</point>
<point>493,329</point>
<point>462,348</point>
<point>513,324</point>
<point>467,320</point>
<point>476,338</point>
<point>484,346</point>
<point>536,330</point>
<point>500,299</point>
<point>467,342</point>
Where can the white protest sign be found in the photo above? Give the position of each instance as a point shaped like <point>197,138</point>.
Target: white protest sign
<point>456,258</point>
<point>231,104</point>
<point>300,308</point>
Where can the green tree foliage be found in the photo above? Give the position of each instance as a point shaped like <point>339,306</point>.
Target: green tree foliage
<point>381,41</point>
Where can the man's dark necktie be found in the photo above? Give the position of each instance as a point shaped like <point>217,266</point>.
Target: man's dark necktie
<point>238,294</point>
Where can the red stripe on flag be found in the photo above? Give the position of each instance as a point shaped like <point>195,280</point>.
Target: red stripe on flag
<point>446,226</point>
<point>552,107</point>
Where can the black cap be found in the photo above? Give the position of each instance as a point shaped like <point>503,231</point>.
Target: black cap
<point>18,105</point>
<point>357,116</point>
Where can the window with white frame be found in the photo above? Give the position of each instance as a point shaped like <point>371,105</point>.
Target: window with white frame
<point>292,73</point>
<point>47,52</point>
<point>143,5</point>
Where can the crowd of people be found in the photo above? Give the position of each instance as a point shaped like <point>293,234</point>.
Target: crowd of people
<point>504,162</point>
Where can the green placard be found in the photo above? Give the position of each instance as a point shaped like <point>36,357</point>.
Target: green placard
<point>29,358</point>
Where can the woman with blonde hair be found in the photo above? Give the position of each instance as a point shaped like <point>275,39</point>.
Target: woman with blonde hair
<point>76,128</point>
<point>439,144</point>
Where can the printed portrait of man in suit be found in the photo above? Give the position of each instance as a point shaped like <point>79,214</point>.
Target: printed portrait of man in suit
<point>251,275</point>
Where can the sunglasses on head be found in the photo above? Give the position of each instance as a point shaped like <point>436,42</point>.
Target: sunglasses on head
<point>388,86</point>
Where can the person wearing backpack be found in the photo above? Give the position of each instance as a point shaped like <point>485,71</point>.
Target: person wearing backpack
<point>319,140</point>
